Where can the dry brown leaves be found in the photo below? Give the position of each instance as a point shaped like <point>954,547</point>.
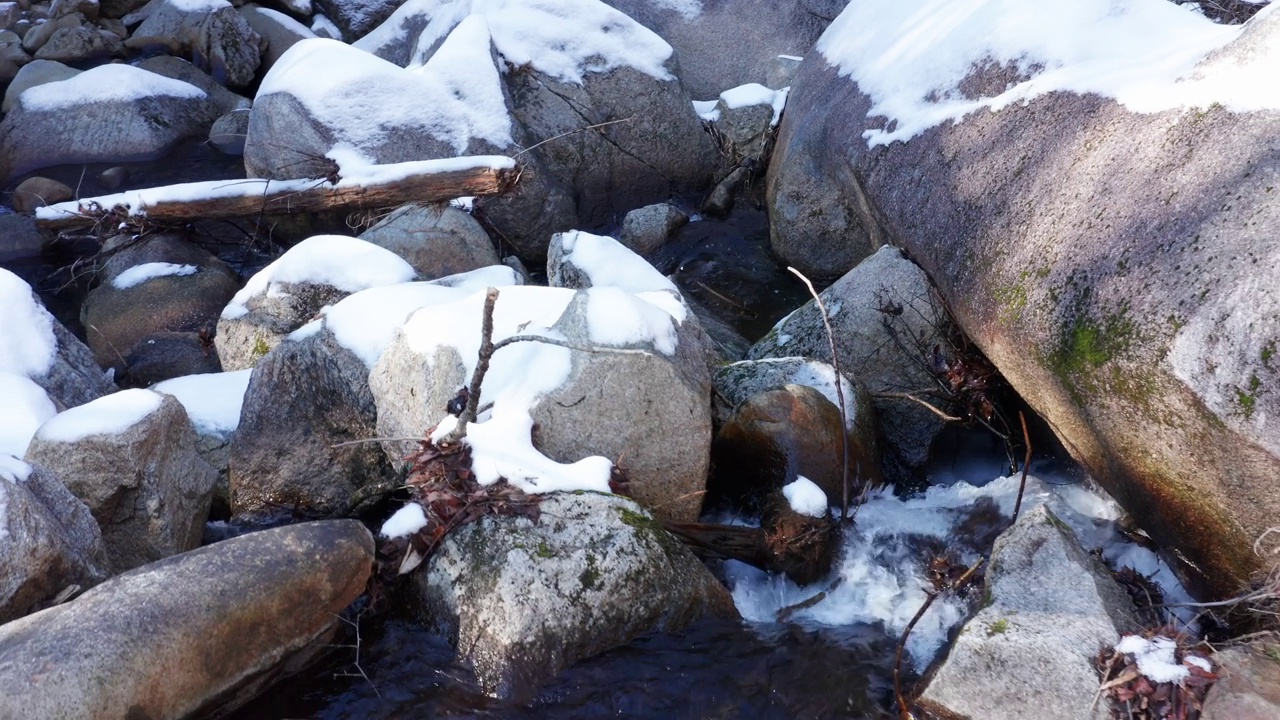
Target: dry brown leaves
<point>441,481</point>
<point>970,377</point>
<point>1136,697</point>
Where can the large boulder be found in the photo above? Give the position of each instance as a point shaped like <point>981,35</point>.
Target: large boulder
<point>193,634</point>
<point>35,345</point>
<point>726,43</point>
<point>522,600</point>
<point>1105,245</point>
<point>49,542</point>
<point>210,32</point>
<point>886,324</point>
<point>110,113</point>
<point>1030,651</point>
<point>289,292</point>
<point>37,72</point>
<point>131,457</point>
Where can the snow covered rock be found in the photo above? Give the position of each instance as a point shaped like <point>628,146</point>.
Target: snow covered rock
<point>150,298</point>
<point>726,43</point>
<point>777,434</point>
<point>35,345</point>
<point>131,457</point>
<point>312,392</point>
<point>210,32</point>
<point>195,633</point>
<point>745,117</point>
<point>354,18</point>
<point>288,293</point>
<point>110,113</point>
<point>436,241</point>
<point>213,402</point>
<point>179,69</point>
<point>523,600</point>
<point>1030,651</point>
<point>48,540</point>
<point>1100,225</point>
<point>886,286</point>
<point>278,31</point>
<point>37,72</point>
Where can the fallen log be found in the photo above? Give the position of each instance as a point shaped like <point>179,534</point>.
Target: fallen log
<point>361,188</point>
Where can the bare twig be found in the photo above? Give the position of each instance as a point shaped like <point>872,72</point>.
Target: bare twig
<point>356,664</point>
<point>929,406</point>
<point>1026,464</point>
<point>903,707</point>
<point>844,420</point>
<point>482,367</point>
<point>573,132</point>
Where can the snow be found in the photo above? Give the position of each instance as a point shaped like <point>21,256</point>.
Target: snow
<point>346,263</point>
<point>28,346</point>
<point>25,408</point>
<point>197,6</point>
<point>910,57</point>
<point>361,97</point>
<point>689,9</point>
<point>805,497</point>
<point>103,84</point>
<point>108,415</point>
<point>565,39</point>
<point>1155,657</point>
<point>355,171</point>
<point>212,400</point>
<point>618,318</point>
<point>880,576</point>
<point>816,374</point>
<point>323,27</point>
<point>139,274</point>
<point>13,469</point>
<point>406,521</point>
<point>519,375</point>
<point>608,262</point>
<point>755,94</point>
<point>708,110</point>
<point>1198,661</point>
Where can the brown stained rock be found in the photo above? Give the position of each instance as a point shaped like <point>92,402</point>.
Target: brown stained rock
<point>1248,686</point>
<point>196,632</point>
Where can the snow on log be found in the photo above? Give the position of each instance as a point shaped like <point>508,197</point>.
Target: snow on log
<point>348,188</point>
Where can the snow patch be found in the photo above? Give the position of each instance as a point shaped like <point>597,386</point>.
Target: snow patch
<point>104,84</point>
<point>406,521</point>
<point>212,400</point>
<point>108,415</point>
<point>28,346</point>
<point>756,94</point>
<point>1149,55</point>
<point>346,263</point>
<point>608,262</point>
<point>13,469</point>
<point>25,408</point>
<point>618,318</point>
<point>805,497</point>
<point>708,110</point>
<point>139,274</point>
<point>1155,657</point>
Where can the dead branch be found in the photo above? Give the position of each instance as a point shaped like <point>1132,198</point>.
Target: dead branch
<point>903,707</point>
<point>844,420</point>
<point>1026,463</point>
<point>487,349</point>
<point>929,406</point>
<point>249,198</point>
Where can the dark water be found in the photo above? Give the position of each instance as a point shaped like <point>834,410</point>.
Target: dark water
<point>712,670</point>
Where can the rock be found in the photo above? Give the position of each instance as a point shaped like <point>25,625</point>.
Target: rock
<point>354,18</point>
<point>197,633</point>
<point>88,8</point>
<point>213,403</point>
<point>436,241</point>
<point>210,32</point>
<point>112,178</point>
<point>287,294</point>
<point>128,250</point>
<point>305,397</point>
<point>777,434</point>
<point>1122,300</point>
<point>19,237</point>
<point>37,192</point>
<point>745,118</point>
<point>80,44</point>
<point>720,202</point>
<point>12,57</point>
<point>37,72</point>
<point>164,297</point>
<point>726,344</point>
<point>726,44</point>
<point>1248,686</point>
<point>1030,651</point>
<point>131,458</point>
<point>324,27</point>
<point>9,13</point>
<point>228,132</point>
<point>648,408</point>
<point>35,345</point>
<point>38,35</point>
<point>278,31</point>
<point>49,542</point>
<point>119,8</point>
<point>112,112</point>
<point>646,229</point>
<point>523,600</point>
<point>782,70</point>
<point>179,69</point>
<point>885,286</point>
<point>167,354</point>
